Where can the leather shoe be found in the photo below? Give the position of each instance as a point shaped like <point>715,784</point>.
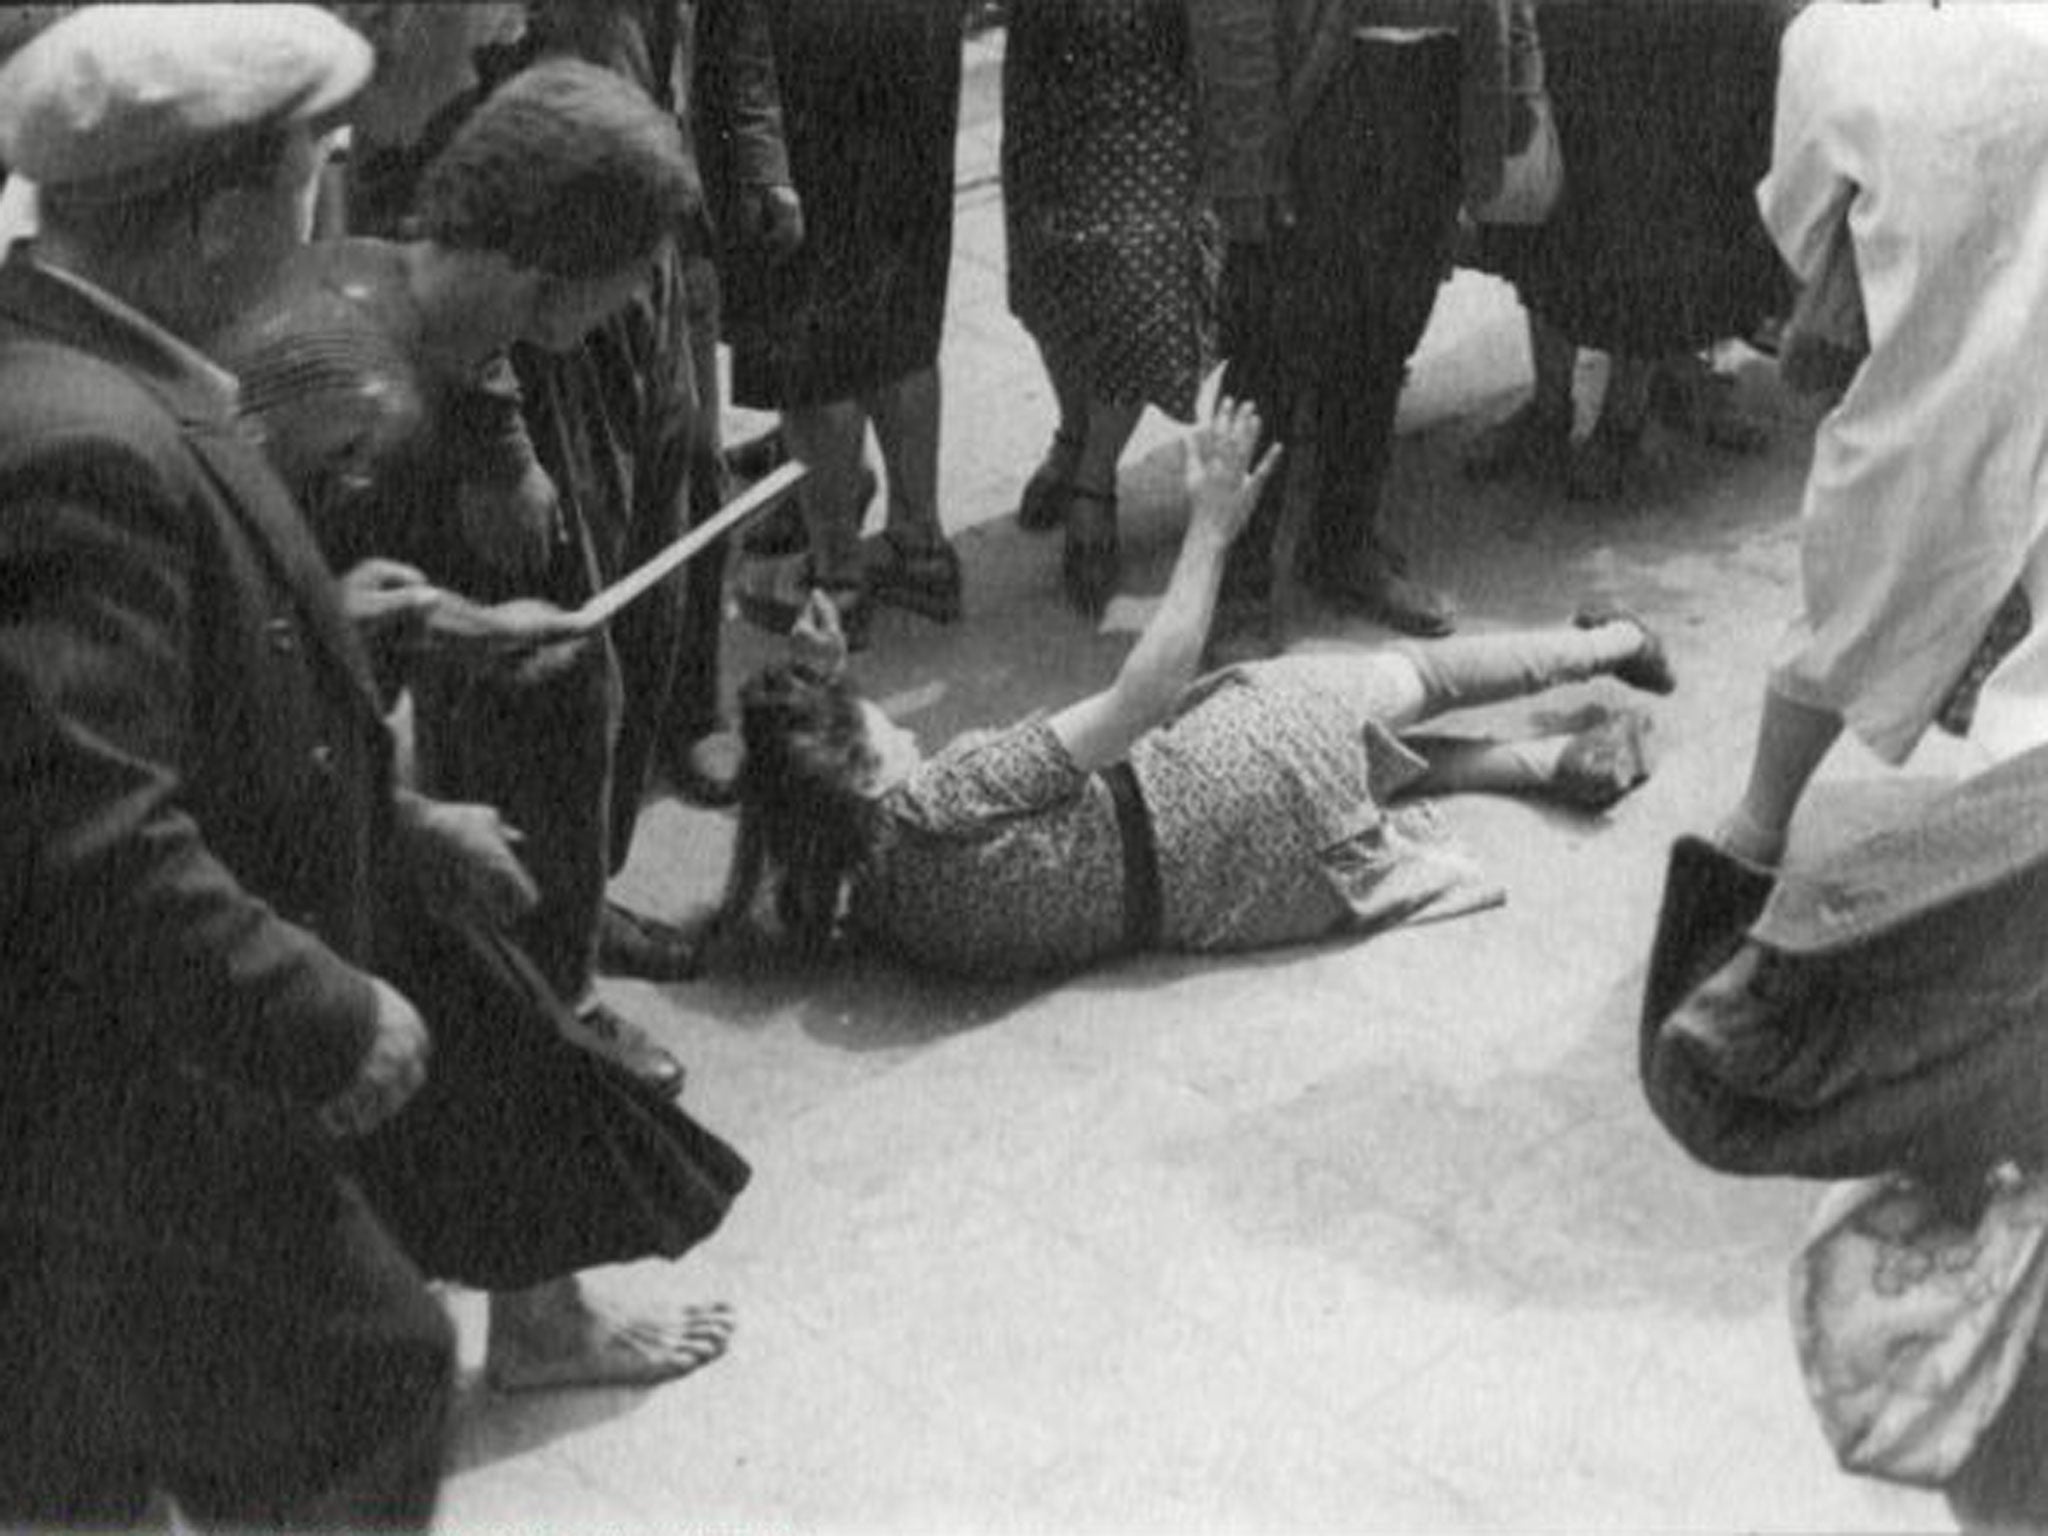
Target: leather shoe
<point>628,1047</point>
<point>632,944</point>
<point>1649,670</point>
<point>1603,762</point>
<point>1373,586</point>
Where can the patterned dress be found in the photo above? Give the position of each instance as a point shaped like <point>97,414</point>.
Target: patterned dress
<point>1000,857</point>
<point>1112,257</point>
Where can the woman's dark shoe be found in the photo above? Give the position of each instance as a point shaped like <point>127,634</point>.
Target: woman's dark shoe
<point>1091,563</point>
<point>1603,762</point>
<point>1650,668</point>
<point>1534,440</point>
<point>1043,506</point>
<point>1376,585</point>
<point>628,1047</point>
<point>922,578</point>
<point>630,943</point>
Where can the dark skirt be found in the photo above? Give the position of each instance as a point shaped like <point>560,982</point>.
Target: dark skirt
<point>525,1158</point>
<point>871,107</point>
<point>1664,114</point>
<point>1112,255</point>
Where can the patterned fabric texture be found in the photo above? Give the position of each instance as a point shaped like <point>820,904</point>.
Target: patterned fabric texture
<point>1001,857</point>
<point>1112,259</point>
<point>1912,1326</point>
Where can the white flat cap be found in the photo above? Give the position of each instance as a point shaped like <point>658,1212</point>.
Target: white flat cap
<point>130,98</point>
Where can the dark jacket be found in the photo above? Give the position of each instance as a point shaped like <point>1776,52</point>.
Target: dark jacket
<point>194,776</point>
<point>1884,1009</point>
<point>1261,65</point>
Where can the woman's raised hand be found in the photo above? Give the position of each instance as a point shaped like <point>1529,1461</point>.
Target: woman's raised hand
<point>1223,483</point>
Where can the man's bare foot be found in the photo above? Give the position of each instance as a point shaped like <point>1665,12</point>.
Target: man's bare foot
<point>556,1336</point>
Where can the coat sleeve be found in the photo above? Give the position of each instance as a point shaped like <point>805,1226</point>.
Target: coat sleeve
<point>112,902</point>
<point>736,95</point>
<point>1241,90</point>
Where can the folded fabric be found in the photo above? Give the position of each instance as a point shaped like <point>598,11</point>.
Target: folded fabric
<point>1913,1324</point>
<point>1884,1011</point>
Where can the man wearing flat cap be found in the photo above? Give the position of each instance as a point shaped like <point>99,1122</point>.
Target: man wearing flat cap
<point>194,784</point>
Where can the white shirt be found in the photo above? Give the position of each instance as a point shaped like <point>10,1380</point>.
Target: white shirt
<point>1927,129</point>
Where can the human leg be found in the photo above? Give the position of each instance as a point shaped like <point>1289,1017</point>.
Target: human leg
<point>1590,768</point>
<point>1044,503</point>
<point>1091,560</point>
<point>1254,283</point>
<point>1463,671</point>
<point>1599,465</point>
<point>1792,739</point>
<point>914,566</point>
<point>557,1335</point>
<point>1392,196</point>
<point>699,763</point>
<point>303,1388</point>
<point>1535,437</point>
<point>829,439</point>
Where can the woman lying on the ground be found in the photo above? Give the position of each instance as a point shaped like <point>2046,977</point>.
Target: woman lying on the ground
<point>1248,810</point>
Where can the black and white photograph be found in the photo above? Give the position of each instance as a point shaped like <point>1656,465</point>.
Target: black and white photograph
<point>1024,767</point>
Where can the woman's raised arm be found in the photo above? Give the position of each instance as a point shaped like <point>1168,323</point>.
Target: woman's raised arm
<point>1223,487</point>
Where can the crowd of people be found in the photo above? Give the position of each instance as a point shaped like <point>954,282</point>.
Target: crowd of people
<point>347,352</point>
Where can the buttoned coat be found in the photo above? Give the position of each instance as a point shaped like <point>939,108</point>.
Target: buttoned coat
<point>1262,64</point>
<point>194,774</point>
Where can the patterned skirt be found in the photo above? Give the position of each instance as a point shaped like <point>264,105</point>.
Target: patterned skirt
<point>1112,259</point>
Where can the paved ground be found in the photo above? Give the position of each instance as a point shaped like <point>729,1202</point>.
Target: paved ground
<point>1357,1237</point>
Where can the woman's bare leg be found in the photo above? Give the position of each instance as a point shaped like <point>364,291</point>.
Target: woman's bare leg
<point>1462,671</point>
<point>829,438</point>
<point>906,417</point>
<point>1589,768</point>
<point>1791,741</point>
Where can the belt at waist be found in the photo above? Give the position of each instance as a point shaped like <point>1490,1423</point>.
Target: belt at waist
<point>1141,857</point>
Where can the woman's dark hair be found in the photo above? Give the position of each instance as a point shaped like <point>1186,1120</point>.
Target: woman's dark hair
<point>805,814</point>
<point>566,169</point>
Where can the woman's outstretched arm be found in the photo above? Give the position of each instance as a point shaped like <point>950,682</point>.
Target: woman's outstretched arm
<point>1222,490</point>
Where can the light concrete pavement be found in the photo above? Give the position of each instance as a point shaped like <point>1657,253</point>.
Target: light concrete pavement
<point>1372,1236</point>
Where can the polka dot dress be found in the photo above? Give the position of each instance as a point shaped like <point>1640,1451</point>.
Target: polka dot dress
<point>1112,258</point>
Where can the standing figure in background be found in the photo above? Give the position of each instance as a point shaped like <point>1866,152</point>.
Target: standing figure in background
<point>1655,252</point>
<point>845,331</point>
<point>729,104</point>
<point>1112,255</point>
<point>1341,138</point>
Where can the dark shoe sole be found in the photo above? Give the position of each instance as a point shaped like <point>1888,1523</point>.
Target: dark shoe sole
<point>1650,670</point>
